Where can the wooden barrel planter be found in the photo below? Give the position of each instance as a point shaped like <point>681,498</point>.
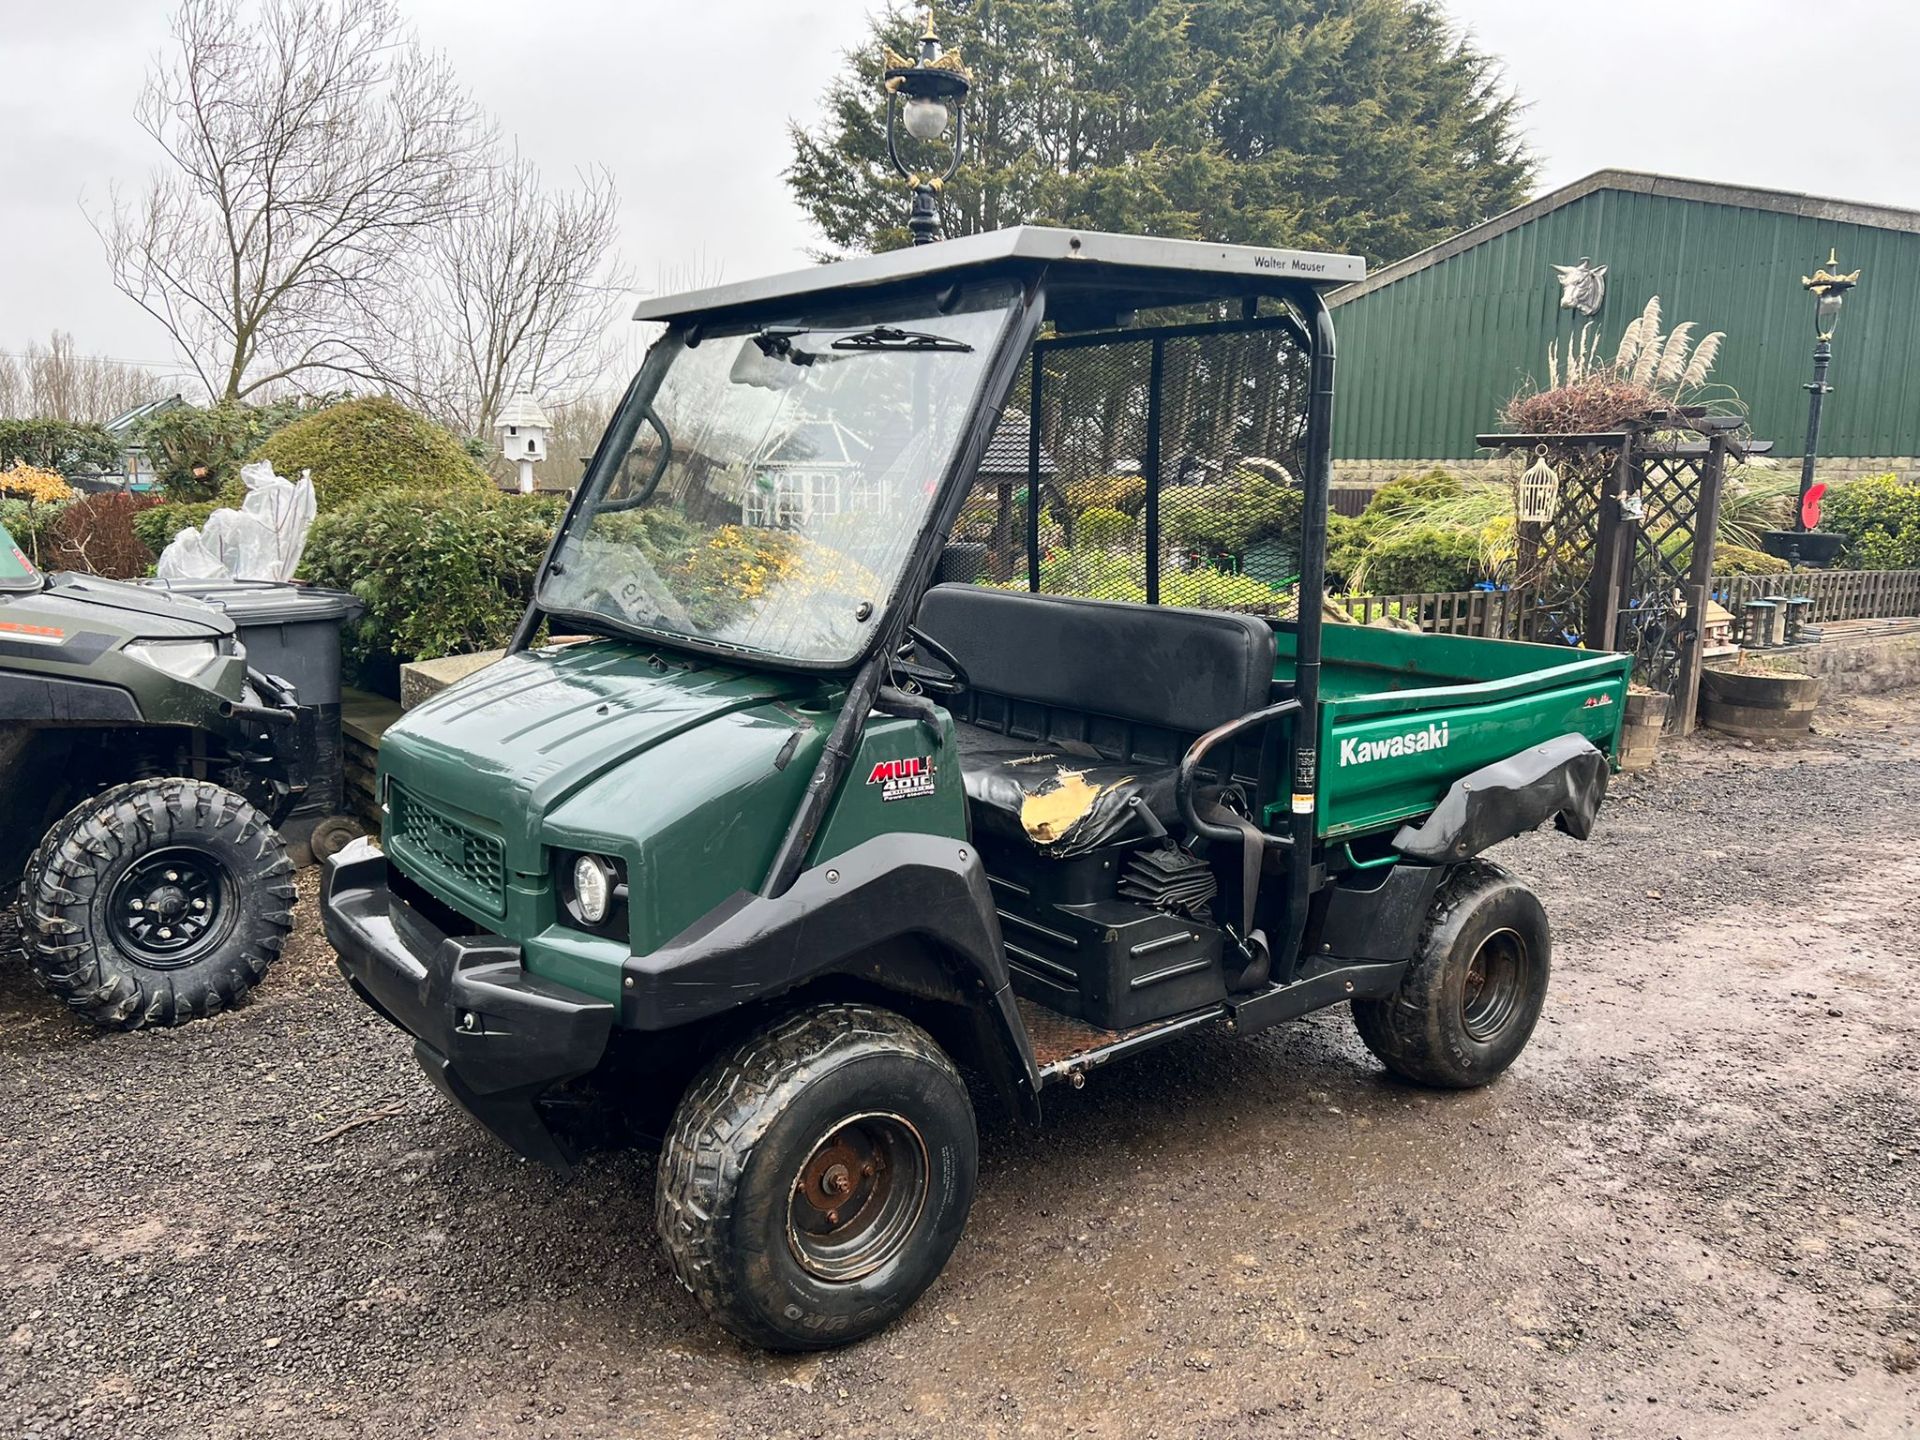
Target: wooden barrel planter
<point>1641,722</point>
<point>1758,704</point>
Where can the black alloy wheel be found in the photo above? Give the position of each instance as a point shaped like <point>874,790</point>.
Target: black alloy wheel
<point>171,906</point>
<point>157,902</point>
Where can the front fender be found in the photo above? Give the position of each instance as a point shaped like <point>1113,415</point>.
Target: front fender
<point>925,889</point>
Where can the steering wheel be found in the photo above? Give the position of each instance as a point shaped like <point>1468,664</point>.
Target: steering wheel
<point>950,678</point>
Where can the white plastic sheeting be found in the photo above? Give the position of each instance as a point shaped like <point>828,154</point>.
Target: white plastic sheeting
<point>262,540</point>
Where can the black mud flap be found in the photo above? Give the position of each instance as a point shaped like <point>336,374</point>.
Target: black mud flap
<point>1563,781</point>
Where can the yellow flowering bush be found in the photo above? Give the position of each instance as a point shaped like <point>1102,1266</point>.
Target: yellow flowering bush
<point>26,482</point>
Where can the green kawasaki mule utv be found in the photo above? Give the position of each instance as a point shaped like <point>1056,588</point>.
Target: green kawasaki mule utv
<point>796,832</point>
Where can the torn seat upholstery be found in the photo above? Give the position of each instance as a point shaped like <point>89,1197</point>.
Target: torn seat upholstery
<point>1079,711</point>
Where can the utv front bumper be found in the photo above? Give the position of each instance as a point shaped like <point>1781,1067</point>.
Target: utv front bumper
<point>492,1037</point>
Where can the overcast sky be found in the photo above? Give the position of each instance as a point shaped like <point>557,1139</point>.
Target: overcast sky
<point>687,104</point>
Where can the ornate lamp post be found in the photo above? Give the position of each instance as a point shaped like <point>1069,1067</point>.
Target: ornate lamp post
<point>926,95</point>
<point>1828,288</point>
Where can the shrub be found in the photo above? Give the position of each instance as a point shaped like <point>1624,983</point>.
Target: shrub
<point>1101,526</point>
<point>439,574</point>
<point>1423,558</point>
<point>1739,560</point>
<point>1408,492</point>
<point>57,445</point>
<point>31,522</point>
<point>195,451</point>
<point>1232,515</point>
<point>1217,589</point>
<point>158,525</point>
<point>95,534</point>
<point>1087,570</point>
<point>1880,514</point>
<point>29,482</point>
<point>362,446</point>
<point>1126,493</point>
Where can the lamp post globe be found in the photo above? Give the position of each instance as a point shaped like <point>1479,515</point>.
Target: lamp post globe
<point>925,96</point>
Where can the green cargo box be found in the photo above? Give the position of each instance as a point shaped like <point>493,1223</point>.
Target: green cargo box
<point>1405,715</point>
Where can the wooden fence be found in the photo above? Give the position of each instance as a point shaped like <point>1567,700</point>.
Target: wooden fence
<point>1493,614</point>
<point>1836,595</point>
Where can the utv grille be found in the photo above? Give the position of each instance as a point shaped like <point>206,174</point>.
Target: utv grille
<point>467,861</point>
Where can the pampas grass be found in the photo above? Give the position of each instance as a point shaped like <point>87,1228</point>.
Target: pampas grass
<point>1651,370</point>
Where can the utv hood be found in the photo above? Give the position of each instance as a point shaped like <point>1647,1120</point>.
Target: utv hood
<point>517,739</point>
<point>130,612</point>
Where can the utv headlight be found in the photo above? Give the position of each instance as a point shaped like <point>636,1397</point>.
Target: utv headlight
<point>183,659</point>
<point>594,880</point>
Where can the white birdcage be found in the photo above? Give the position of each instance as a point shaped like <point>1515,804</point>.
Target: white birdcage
<point>1539,490</point>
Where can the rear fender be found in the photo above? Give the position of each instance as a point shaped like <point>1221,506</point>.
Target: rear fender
<point>910,913</point>
<point>1563,780</point>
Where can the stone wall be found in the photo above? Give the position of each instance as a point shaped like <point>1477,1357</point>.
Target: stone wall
<point>1863,661</point>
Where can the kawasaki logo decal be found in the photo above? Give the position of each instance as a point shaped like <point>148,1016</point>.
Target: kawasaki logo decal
<point>903,779</point>
<point>1414,742</point>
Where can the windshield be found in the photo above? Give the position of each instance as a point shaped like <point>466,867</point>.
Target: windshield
<point>767,491</point>
<point>16,571</point>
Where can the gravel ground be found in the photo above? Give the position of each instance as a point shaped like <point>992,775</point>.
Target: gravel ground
<point>1690,1210</point>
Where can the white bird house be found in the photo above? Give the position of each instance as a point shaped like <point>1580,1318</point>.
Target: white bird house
<point>523,427</point>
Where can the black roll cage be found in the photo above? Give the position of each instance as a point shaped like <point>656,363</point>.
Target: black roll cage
<point>1308,323</point>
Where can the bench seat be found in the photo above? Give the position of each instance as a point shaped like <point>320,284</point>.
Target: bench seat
<point>1079,711</point>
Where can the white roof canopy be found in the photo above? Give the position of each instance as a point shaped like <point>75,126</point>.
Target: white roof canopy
<point>1032,243</point>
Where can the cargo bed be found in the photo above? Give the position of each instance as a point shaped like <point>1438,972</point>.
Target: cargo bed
<point>1404,715</point>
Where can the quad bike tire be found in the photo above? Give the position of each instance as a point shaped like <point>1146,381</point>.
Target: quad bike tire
<point>817,1177</point>
<point>156,903</point>
<point>1468,1004</point>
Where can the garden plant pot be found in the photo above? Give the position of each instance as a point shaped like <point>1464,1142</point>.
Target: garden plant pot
<point>1643,719</point>
<point>1758,704</point>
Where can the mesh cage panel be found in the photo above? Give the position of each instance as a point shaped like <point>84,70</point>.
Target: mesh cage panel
<point>1167,467</point>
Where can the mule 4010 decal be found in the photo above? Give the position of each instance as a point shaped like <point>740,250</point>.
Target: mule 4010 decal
<point>903,779</point>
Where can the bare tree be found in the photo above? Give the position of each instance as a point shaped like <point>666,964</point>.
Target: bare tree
<point>56,382</point>
<point>312,147</point>
<point>518,295</point>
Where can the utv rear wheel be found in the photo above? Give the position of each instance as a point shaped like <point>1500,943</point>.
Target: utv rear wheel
<point>1467,1006</point>
<point>156,903</point>
<point>816,1178</point>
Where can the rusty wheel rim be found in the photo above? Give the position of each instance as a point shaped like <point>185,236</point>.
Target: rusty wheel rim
<point>857,1197</point>
<point>1496,986</point>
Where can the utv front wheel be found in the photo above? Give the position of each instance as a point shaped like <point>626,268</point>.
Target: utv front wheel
<point>1468,1004</point>
<point>817,1177</point>
<point>156,903</point>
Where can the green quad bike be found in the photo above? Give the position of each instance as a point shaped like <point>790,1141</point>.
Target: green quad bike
<point>796,834</point>
<point>143,768</point>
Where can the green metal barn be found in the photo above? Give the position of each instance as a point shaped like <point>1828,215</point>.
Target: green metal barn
<point>1433,345</point>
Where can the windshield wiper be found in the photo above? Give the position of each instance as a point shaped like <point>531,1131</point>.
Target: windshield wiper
<point>777,343</point>
<point>884,337</point>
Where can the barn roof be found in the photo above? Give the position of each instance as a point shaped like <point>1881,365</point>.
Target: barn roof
<point>1638,182</point>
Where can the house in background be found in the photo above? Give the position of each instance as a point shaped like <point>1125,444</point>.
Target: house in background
<point>1433,346</point>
